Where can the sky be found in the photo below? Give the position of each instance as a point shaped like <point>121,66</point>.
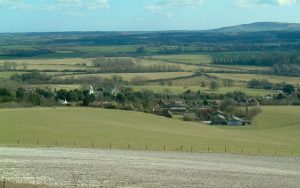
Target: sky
<point>140,15</point>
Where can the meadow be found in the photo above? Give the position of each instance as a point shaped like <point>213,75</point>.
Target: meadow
<point>275,131</point>
<point>130,76</point>
<point>247,77</point>
<point>188,59</point>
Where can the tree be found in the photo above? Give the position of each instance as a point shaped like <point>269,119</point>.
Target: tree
<point>288,89</point>
<point>140,50</point>
<point>72,96</point>
<point>120,98</point>
<point>260,84</point>
<point>228,105</point>
<point>227,83</point>
<point>88,98</point>
<point>203,84</point>
<point>20,93</point>
<point>253,111</point>
<point>61,94</point>
<point>6,95</point>
<point>34,98</point>
<point>214,85</point>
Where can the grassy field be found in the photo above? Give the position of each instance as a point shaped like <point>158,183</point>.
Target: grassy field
<point>222,90</point>
<point>247,77</point>
<point>83,64</point>
<point>57,86</point>
<point>129,76</point>
<point>190,59</point>
<point>65,61</point>
<point>7,74</point>
<point>277,128</point>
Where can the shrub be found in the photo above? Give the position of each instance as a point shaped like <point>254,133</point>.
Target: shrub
<point>190,117</point>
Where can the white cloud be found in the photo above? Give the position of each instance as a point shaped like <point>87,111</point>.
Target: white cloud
<point>63,5</point>
<point>14,4</point>
<point>257,3</point>
<point>82,4</point>
<point>167,4</point>
<point>286,2</point>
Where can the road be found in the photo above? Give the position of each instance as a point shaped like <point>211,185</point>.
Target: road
<point>62,167</point>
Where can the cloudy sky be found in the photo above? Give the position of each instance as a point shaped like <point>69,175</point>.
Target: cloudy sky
<point>140,15</point>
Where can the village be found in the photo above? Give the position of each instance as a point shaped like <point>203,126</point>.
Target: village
<point>208,111</point>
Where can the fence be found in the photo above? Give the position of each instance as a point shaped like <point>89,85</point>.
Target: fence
<point>280,151</point>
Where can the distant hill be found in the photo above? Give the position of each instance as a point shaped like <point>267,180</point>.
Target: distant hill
<point>260,27</point>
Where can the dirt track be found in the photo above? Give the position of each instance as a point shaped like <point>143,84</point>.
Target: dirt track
<point>115,168</point>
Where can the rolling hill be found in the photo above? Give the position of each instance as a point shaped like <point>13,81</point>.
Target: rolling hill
<point>260,27</point>
<point>276,128</point>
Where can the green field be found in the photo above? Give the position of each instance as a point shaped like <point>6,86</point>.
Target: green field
<point>190,59</point>
<point>57,86</point>
<point>129,76</point>
<point>7,74</point>
<point>247,77</point>
<point>277,128</point>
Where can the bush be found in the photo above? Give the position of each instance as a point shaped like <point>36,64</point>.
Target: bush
<point>190,117</point>
<point>253,112</point>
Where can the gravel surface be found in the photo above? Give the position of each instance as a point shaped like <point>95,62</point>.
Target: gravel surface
<point>61,167</point>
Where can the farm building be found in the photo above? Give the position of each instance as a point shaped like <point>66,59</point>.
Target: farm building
<point>176,106</point>
<point>218,118</point>
<point>235,121</point>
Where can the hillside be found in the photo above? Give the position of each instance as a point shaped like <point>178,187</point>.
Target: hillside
<point>260,27</point>
<point>90,127</point>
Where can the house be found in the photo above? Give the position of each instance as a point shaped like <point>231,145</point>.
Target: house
<point>234,121</point>
<point>268,97</point>
<point>221,118</point>
<point>114,92</point>
<point>280,92</point>
<point>91,91</point>
<point>163,105</point>
<point>176,106</point>
<point>218,118</point>
<point>64,102</point>
<point>252,102</point>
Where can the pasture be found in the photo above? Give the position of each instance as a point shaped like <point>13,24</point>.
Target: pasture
<point>130,76</point>
<point>7,74</point>
<point>189,59</point>
<point>247,77</point>
<point>277,130</point>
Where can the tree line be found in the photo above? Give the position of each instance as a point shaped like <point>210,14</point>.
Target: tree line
<point>264,59</point>
<point>126,65</point>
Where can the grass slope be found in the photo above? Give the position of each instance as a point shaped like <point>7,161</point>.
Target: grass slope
<point>277,128</point>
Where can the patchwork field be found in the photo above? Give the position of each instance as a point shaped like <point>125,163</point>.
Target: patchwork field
<point>275,131</point>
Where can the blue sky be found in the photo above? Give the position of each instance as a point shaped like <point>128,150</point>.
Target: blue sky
<point>140,15</point>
